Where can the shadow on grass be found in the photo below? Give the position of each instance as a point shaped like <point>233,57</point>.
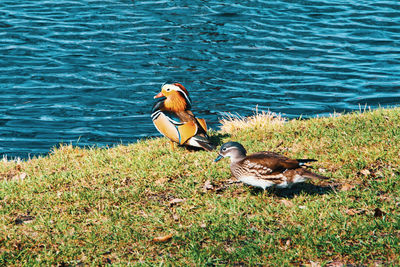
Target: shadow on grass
<point>297,189</point>
<point>216,138</point>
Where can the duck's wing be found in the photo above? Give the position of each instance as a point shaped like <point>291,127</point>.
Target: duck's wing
<point>201,124</point>
<point>201,138</point>
<point>271,161</point>
<point>165,125</point>
<point>173,126</point>
<point>192,133</point>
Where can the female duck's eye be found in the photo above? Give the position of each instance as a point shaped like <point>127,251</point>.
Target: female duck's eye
<point>224,149</point>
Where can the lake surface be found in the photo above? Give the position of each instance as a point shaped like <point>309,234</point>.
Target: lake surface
<point>85,72</point>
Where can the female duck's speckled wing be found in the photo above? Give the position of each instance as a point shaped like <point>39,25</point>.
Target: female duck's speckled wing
<point>270,162</point>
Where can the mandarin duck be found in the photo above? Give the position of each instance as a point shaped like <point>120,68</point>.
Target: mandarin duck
<point>172,117</point>
<point>265,169</point>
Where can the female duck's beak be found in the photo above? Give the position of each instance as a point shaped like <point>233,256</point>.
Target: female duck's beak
<point>160,94</point>
<point>218,158</point>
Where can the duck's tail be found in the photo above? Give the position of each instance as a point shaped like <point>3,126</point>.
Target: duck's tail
<point>200,141</point>
<point>302,162</point>
<point>312,175</point>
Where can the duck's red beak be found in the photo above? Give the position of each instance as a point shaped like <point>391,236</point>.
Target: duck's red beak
<point>160,94</point>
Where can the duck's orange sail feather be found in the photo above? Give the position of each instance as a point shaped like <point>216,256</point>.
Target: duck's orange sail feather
<point>202,123</point>
<point>186,131</point>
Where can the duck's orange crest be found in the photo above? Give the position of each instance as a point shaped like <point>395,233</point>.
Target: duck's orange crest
<point>183,88</point>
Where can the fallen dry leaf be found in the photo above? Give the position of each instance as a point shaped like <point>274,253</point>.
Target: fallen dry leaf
<point>347,187</point>
<point>164,238</point>
<point>19,177</point>
<point>161,181</point>
<point>352,212</point>
<point>229,249</point>
<point>176,201</point>
<point>286,202</point>
<point>365,172</point>
<point>175,217</point>
<point>208,186</point>
<point>314,264</point>
<point>285,242</point>
<point>335,264</point>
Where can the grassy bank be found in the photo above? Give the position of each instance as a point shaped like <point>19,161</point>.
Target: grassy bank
<point>143,203</point>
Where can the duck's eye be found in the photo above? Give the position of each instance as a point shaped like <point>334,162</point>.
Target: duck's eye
<point>224,149</point>
<point>168,89</point>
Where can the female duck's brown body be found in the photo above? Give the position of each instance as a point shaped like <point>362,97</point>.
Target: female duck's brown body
<point>172,117</point>
<point>265,169</point>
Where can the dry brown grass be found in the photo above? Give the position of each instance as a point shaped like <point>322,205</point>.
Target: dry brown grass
<point>264,119</point>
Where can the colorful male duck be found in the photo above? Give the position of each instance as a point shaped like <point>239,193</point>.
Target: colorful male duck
<point>172,117</point>
<point>265,169</point>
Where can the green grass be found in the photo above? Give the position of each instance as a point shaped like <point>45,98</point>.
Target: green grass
<point>105,206</point>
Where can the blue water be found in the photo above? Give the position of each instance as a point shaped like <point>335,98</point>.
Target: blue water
<point>85,72</point>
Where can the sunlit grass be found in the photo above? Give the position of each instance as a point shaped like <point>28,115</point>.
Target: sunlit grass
<point>233,122</point>
<point>106,206</point>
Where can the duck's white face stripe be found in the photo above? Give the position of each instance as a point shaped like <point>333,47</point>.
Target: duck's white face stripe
<point>233,153</point>
<point>178,89</point>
